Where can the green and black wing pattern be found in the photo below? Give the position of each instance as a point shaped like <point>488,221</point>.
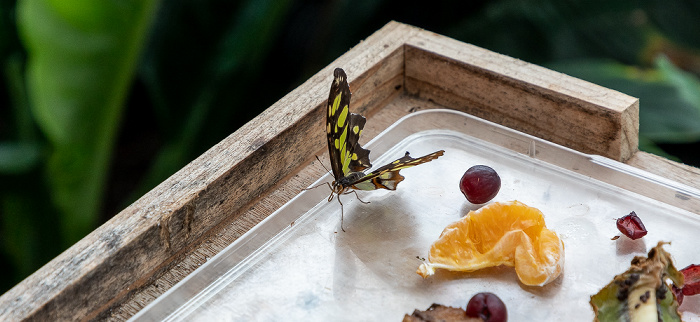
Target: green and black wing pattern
<point>343,130</point>
<point>348,158</point>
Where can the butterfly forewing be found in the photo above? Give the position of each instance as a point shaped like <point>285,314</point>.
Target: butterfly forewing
<point>343,130</point>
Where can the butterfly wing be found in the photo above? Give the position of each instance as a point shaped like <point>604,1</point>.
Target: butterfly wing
<point>343,130</point>
<point>388,177</point>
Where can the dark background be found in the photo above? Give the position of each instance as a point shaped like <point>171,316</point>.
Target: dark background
<point>99,102</point>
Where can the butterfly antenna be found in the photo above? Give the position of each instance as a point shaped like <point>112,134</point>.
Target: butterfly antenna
<point>329,185</point>
<point>319,161</point>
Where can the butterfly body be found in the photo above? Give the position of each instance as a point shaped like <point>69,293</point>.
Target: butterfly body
<point>348,159</point>
<point>345,183</point>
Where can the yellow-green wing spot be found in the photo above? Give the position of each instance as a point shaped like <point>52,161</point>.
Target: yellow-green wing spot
<point>344,157</point>
<point>336,104</point>
<point>343,115</point>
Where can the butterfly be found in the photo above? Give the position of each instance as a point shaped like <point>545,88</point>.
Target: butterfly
<point>348,159</point>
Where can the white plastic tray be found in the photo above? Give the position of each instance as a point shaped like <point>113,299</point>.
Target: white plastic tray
<point>298,265</point>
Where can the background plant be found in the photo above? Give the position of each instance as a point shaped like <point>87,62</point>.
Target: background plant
<point>102,100</point>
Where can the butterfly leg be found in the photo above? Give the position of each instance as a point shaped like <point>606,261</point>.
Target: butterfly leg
<point>332,192</point>
<point>319,161</point>
<point>356,196</point>
<point>341,214</point>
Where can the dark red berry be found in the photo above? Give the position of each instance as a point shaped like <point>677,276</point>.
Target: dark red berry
<point>631,226</point>
<point>480,184</point>
<point>488,307</point>
<point>691,275</point>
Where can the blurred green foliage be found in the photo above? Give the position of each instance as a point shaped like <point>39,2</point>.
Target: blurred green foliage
<point>102,100</point>
<point>82,59</point>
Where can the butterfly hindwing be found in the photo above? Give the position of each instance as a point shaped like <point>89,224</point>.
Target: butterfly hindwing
<point>343,130</point>
<point>388,177</point>
<point>358,156</point>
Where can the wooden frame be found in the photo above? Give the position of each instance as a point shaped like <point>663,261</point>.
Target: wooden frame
<point>152,244</point>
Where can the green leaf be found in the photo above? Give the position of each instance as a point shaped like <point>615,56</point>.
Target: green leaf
<point>81,59</point>
<point>687,84</point>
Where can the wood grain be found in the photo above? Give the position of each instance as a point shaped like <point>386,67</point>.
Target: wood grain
<point>169,232</point>
<point>525,97</point>
<point>666,168</point>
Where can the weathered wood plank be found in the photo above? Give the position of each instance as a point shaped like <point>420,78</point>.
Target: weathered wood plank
<point>522,96</point>
<point>666,168</point>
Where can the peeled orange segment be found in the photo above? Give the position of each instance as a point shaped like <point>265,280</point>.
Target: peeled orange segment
<point>502,233</point>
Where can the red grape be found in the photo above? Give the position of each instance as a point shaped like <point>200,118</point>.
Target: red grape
<point>488,307</point>
<point>480,184</point>
<point>631,226</point>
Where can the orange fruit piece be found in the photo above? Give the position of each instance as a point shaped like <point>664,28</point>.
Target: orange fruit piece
<point>501,233</point>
